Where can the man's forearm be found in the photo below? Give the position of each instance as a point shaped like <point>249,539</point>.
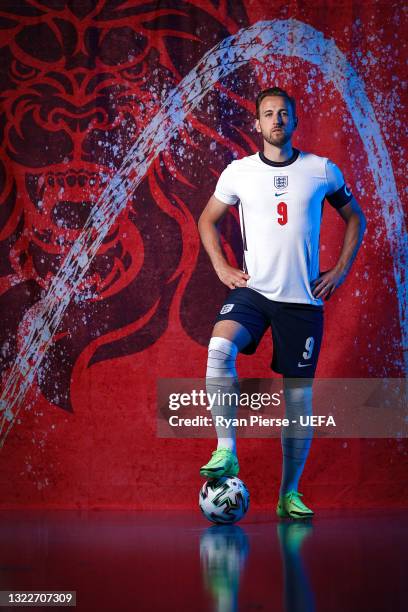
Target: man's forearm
<point>211,242</point>
<point>353,237</point>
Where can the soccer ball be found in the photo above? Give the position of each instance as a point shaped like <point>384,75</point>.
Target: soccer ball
<point>224,500</point>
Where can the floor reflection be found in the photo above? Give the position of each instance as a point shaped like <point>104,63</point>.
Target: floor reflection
<point>348,561</point>
<point>223,552</point>
<point>298,594</point>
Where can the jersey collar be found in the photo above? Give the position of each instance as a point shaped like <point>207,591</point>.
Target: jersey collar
<point>289,161</point>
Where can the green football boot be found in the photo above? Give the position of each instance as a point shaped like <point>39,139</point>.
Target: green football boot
<point>291,506</point>
<point>222,463</point>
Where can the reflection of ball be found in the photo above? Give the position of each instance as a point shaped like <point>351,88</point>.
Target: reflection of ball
<point>224,500</point>
<point>223,552</point>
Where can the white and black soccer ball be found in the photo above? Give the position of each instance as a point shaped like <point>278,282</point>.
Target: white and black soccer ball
<point>224,500</point>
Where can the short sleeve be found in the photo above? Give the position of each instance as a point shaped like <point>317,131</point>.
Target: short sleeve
<point>225,189</point>
<point>337,194</point>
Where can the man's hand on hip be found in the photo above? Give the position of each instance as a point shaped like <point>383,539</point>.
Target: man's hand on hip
<point>327,282</point>
<point>232,277</point>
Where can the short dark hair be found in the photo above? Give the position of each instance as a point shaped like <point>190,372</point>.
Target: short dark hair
<point>274,91</point>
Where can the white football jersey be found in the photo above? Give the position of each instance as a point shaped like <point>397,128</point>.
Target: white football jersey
<point>280,209</point>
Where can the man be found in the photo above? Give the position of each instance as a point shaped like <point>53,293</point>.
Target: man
<point>280,193</point>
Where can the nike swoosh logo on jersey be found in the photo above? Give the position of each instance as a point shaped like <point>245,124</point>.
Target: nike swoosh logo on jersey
<point>279,194</point>
<point>303,365</point>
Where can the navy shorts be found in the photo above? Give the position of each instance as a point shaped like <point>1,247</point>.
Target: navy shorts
<point>297,329</point>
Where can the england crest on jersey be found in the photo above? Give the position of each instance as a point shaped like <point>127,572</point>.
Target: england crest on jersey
<point>280,182</point>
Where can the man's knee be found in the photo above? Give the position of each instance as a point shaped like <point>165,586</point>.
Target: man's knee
<point>222,354</point>
<point>233,331</point>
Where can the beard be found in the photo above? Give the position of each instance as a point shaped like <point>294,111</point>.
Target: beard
<point>277,139</point>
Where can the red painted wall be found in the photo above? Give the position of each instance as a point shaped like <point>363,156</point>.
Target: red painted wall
<point>79,83</point>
